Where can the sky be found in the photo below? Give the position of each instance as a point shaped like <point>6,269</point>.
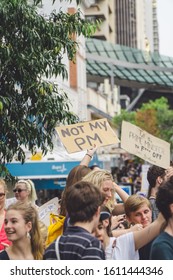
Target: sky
<point>165,21</point>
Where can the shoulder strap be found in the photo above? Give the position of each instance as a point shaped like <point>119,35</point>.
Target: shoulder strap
<point>57,248</point>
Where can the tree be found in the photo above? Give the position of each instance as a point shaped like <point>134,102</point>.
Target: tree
<point>31,50</point>
<point>148,116</point>
<point>155,117</point>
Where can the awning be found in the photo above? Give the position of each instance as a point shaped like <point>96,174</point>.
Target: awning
<point>41,170</point>
<point>45,169</point>
<point>50,184</point>
<point>128,66</point>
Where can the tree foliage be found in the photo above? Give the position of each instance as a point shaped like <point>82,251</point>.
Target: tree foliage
<point>149,117</point>
<point>126,116</point>
<point>31,51</point>
<point>155,117</point>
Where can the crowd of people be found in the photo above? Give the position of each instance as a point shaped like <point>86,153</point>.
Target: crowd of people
<point>96,226</point>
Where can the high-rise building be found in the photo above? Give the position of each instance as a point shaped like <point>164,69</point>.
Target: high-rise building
<point>131,23</point>
<point>155,27</point>
<point>147,25</point>
<point>103,10</point>
<point>125,15</point>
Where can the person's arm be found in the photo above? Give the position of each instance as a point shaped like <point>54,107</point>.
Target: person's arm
<point>116,220</point>
<point>169,172</point>
<point>118,232</point>
<point>88,156</point>
<point>119,207</point>
<point>143,237</point>
<point>122,194</point>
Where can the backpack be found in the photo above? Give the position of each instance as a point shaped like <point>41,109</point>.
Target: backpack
<point>55,228</point>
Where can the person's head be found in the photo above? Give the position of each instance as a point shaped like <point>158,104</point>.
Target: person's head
<point>94,167</point>
<point>138,210</point>
<point>75,175</point>
<point>103,229</point>
<point>3,192</point>
<point>155,176</point>
<point>24,190</point>
<point>83,201</point>
<point>164,199</point>
<point>22,223</point>
<point>104,181</point>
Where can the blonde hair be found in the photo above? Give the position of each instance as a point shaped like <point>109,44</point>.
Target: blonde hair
<point>97,177</point>
<point>134,202</point>
<point>30,214</point>
<point>44,232</point>
<point>3,183</point>
<point>31,188</point>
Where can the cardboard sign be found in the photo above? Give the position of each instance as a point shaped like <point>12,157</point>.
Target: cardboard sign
<point>82,136</point>
<point>10,201</point>
<point>52,206</point>
<point>142,144</point>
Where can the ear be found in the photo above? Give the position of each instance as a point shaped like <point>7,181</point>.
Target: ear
<point>159,180</point>
<point>29,226</point>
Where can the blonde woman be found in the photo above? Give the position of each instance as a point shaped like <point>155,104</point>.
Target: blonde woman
<point>103,179</point>
<point>4,242</point>
<point>23,230</point>
<point>76,174</point>
<point>24,191</point>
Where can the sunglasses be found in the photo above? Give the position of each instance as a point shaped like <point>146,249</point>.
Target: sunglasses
<point>18,190</point>
<point>2,195</point>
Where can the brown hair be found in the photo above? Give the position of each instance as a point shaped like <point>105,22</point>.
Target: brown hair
<point>153,173</point>
<point>164,198</point>
<point>76,174</point>
<point>82,201</point>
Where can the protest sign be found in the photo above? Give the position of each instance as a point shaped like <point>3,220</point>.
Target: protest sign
<point>52,206</point>
<point>10,201</point>
<point>144,145</point>
<point>82,136</point>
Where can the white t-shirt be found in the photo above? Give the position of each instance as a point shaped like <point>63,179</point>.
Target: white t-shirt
<point>123,249</point>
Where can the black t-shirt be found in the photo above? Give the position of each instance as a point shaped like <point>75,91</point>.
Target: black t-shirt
<point>4,255</point>
<point>144,252</point>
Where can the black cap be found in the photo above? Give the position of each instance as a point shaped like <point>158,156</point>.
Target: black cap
<point>104,215</point>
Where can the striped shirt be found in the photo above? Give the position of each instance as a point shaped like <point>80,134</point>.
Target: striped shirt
<point>76,244</point>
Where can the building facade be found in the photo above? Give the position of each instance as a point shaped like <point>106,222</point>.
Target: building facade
<point>125,15</point>
<point>103,10</point>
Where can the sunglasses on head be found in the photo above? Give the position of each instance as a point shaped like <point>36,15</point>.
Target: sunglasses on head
<point>2,195</point>
<point>18,190</point>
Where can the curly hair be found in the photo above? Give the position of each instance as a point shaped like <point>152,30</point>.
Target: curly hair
<point>153,173</point>
<point>165,197</point>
